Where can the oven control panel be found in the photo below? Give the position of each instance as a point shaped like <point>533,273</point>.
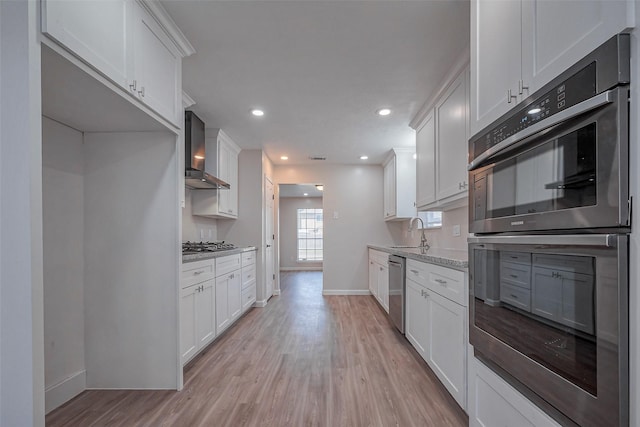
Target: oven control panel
<point>572,91</point>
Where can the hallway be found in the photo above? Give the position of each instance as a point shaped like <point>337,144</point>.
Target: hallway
<point>304,359</point>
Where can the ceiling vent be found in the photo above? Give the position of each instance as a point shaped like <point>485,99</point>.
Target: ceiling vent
<point>317,158</point>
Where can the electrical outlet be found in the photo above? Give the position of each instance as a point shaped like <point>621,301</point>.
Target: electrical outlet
<point>335,215</point>
<point>456,230</point>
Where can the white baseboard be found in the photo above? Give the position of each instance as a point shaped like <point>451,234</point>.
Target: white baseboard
<point>276,292</point>
<point>57,394</point>
<point>260,304</point>
<point>346,292</point>
<point>301,268</point>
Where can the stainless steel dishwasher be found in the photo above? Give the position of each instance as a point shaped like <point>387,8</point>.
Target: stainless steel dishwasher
<point>397,290</point>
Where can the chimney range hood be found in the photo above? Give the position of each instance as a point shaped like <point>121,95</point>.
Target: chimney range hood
<point>196,176</point>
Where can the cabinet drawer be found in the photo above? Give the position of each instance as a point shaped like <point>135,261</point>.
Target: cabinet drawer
<point>515,274</point>
<point>448,283</point>
<point>418,272</point>
<point>197,269</point>
<point>248,258</point>
<point>227,264</point>
<point>379,257</point>
<point>248,296</point>
<point>571,263</point>
<point>517,257</point>
<point>248,276</point>
<point>516,296</point>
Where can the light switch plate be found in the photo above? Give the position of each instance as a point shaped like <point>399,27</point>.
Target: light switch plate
<point>456,230</point>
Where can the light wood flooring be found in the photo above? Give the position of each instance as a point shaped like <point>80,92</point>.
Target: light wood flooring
<point>304,360</point>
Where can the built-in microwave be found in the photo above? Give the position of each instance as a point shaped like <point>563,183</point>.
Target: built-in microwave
<point>551,313</point>
<point>559,162</point>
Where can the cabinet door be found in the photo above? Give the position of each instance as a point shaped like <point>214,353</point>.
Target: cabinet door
<point>577,301</point>
<point>546,293</point>
<point>451,137</point>
<point>417,317</point>
<point>426,163</point>
<point>556,34</point>
<point>96,31</point>
<point>235,295</point>
<point>389,188</point>
<point>233,180</point>
<point>188,339</point>
<point>206,313</point>
<point>373,278</point>
<point>156,66</point>
<point>223,318</point>
<point>495,58</point>
<point>447,344</point>
<point>224,169</point>
<point>383,286</point>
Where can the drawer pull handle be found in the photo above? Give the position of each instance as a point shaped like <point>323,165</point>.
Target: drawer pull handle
<point>442,282</point>
<point>514,257</point>
<point>514,296</point>
<point>195,273</point>
<point>415,272</point>
<point>514,276</point>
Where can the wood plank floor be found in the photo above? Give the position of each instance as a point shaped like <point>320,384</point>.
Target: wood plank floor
<point>304,360</point>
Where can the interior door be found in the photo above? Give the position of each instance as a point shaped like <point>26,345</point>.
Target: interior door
<point>269,238</point>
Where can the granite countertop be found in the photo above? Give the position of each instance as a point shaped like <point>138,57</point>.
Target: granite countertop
<point>208,255</point>
<point>445,257</point>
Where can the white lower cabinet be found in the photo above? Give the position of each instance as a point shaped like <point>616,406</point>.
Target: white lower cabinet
<point>436,325</point>
<point>197,317</point>
<point>228,299</point>
<point>379,277</point>
<point>494,402</point>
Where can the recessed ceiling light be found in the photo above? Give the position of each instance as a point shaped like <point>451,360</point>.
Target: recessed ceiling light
<point>384,112</point>
<point>257,113</point>
<point>199,157</point>
<point>284,157</point>
<point>305,194</point>
<point>364,157</point>
<point>534,110</point>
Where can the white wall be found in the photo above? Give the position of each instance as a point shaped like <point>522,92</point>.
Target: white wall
<point>63,262</point>
<point>354,193</point>
<point>21,307</point>
<point>288,234</point>
<point>439,237</point>
<point>247,230</point>
<point>197,228</point>
<point>132,258</point>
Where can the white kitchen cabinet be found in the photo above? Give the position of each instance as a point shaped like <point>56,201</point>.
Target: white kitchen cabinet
<point>399,186</point>
<point>426,162</point>
<point>494,402</point>
<point>436,325</point>
<point>228,291</point>
<point>519,46</point>
<point>451,114</point>
<point>379,277</point>
<point>98,32</point>
<point>197,308</point>
<point>132,43</point>
<point>441,146</point>
<point>222,162</point>
<point>248,280</point>
<point>156,67</point>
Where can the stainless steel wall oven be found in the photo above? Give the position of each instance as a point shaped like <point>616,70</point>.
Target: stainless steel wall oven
<point>548,266</point>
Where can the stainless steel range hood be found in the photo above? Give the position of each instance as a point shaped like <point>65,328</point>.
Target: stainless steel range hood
<point>196,176</point>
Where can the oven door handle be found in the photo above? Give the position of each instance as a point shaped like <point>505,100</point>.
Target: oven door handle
<point>597,101</point>
<point>602,240</point>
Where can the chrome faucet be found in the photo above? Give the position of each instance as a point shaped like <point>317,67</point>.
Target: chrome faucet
<point>423,239</point>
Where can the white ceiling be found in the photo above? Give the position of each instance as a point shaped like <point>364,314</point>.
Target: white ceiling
<point>319,69</point>
<point>298,190</point>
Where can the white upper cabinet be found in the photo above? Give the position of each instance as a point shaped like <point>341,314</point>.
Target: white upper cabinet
<point>222,153</point>
<point>426,162</point>
<point>399,185</point>
<point>134,44</point>
<point>442,132</point>
<point>519,46</point>
<point>96,31</point>
<point>156,67</point>
<point>452,135</point>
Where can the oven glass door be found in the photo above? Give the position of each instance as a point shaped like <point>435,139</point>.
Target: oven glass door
<point>547,309</point>
<point>573,175</point>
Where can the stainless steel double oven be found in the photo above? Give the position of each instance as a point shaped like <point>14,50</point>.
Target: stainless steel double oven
<point>548,265</point>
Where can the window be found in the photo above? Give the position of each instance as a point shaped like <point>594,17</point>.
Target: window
<point>310,234</point>
<point>431,219</point>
